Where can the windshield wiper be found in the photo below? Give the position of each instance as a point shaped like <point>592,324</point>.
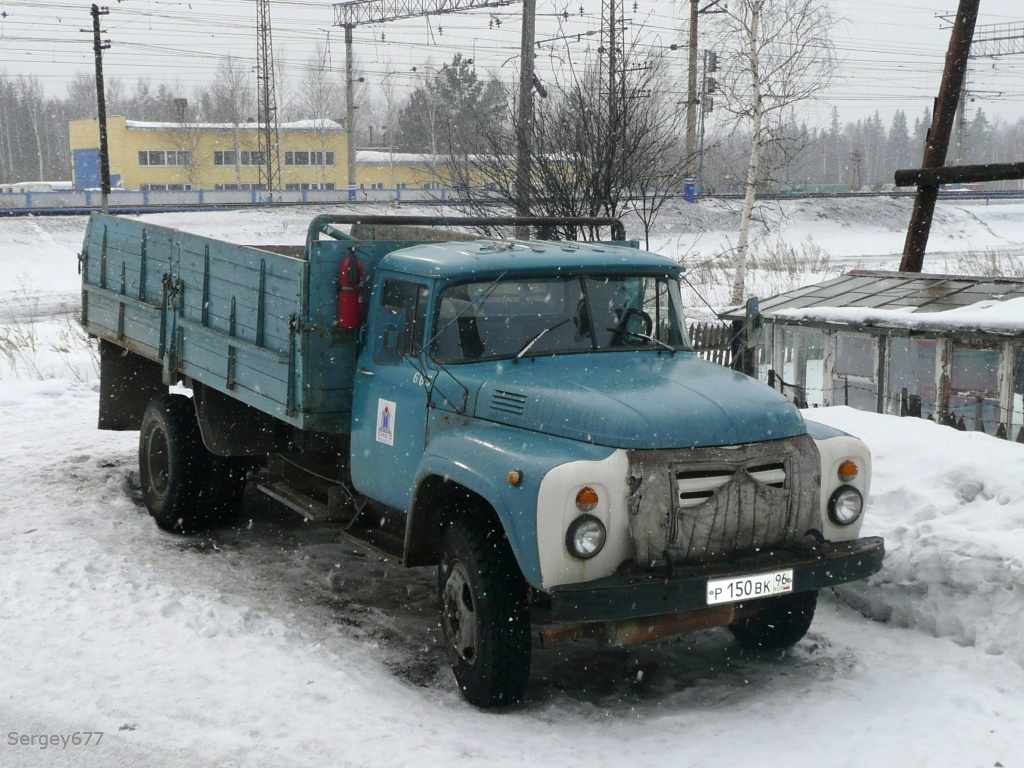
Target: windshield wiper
<point>644,336</point>
<point>535,339</point>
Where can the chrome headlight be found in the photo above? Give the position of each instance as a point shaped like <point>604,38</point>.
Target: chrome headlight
<point>586,537</point>
<point>845,505</point>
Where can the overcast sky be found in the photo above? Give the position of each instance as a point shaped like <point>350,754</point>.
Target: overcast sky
<point>891,52</point>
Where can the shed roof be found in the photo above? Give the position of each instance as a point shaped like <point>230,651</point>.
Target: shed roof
<point>873,298</point>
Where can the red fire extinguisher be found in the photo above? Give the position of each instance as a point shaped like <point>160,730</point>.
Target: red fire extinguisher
<point>350,291</point>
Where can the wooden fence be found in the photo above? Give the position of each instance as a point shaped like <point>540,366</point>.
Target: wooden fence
<point>712,342</point>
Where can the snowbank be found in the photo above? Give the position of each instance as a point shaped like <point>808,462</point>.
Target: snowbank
<point>951,508</point>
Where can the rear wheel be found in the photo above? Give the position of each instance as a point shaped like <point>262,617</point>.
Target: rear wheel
<point>780,623</point>
<point>484,615</point>
<point>176,471</point>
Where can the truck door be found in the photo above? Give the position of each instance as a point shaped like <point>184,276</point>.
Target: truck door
<point>389,408</point>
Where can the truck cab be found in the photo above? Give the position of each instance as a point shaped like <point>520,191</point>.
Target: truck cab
<point>527,416</point>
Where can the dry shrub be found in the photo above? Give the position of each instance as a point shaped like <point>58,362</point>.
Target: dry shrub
<point>990,262</point>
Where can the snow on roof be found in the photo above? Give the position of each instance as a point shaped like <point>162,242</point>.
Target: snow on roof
<point>383,157</point>
<point>905,300</point>
<point>990,316</point>
<point>298,125</point>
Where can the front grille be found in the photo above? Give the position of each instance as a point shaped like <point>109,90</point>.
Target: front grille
<point>694,488</point>
<point>701,505</point>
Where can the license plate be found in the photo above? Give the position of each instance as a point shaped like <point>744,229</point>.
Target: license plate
<point>751,587</point>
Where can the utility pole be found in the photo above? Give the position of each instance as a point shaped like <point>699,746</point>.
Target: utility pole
<point>937,143</point>
<point>98,47</point>
<point>525,113</point>
<point>691,98</point>
<point>350,110</point>
<point>352,13</point>
<point>856,158</point>
<point>266,99</point>
<point>961,121</point>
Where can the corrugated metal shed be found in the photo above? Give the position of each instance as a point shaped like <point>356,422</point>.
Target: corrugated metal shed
<point>911,300</point>
<point>946,347</point>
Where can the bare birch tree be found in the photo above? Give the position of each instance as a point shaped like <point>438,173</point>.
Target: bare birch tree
<point>592,155</point>
<point>320,93</point>
<point>234,103</point>
<point>774,54</point>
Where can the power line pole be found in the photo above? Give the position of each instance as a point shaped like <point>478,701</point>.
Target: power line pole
<point>352,13</point>
<point>266,98</point>
<point>525,113</point>
<point>691,99</point>
<point>937,143</point>
<point>961,120</point>
<point>350,109</point>
<point>98,47</point>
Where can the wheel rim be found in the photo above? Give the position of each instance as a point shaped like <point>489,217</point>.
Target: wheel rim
<point>158,460</point>
<point>459,613</point>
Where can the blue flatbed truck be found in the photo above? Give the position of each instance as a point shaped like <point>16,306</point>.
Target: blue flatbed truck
<point>526,415</point>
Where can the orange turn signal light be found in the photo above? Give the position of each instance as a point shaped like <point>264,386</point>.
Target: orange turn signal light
<point>848,471</point>
<point>586,499</point>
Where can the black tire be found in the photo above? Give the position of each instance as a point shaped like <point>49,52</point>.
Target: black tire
<point>484,614</point>
<point>175,469</point>
<point>781,622</point>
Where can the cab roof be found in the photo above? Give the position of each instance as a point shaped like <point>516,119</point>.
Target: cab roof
<point>483,258</point>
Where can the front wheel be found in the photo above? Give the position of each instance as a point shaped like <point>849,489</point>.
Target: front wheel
<point>780,623</point>
<point>484,615</point>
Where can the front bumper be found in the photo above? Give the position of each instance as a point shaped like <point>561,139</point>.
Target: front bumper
<point>630,596</point>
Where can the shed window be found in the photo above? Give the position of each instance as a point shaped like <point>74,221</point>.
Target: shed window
<point>855,355</point>
<point>912,366</point>
<point>1017,403</point>
<point>975,367</point>
<point>803,369</point>
<point>974,385</point>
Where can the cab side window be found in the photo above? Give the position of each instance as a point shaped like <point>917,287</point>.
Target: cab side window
<point>409,300</point>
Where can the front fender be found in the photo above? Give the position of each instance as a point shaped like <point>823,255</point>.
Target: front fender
<point>478,455</point>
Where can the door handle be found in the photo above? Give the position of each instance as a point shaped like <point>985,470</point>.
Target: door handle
<point>366,372</point>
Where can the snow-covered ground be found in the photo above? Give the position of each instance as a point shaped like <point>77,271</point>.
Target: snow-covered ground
<point>277,644</point>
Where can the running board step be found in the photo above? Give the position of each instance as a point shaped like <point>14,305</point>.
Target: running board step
<point>307,506</point>
<point>383,543</point>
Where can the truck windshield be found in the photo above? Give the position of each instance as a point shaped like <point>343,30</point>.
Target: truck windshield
<point>530,317</point>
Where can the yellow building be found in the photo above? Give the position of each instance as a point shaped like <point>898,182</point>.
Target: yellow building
<point>182,156</point>
<point>381,169</point>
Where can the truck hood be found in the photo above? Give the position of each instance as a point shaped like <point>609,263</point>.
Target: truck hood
<point>632,400</point>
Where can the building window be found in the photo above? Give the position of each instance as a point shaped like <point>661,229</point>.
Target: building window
<point>329,185</point>
<point>251,157</point>
<point>153,187</point>
<point>400,185</point>
<point>297,157</point>
<point>377,185</point>
<point>225,157</point>
<point>160,157</point>
<point>291,187</point>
